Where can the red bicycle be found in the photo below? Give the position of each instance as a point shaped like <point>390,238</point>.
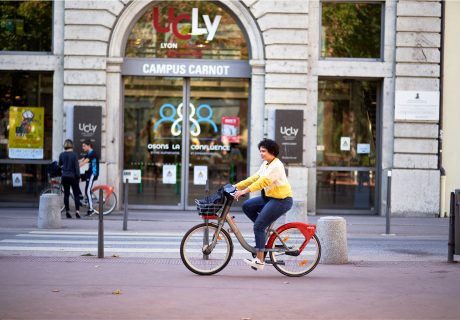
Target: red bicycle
<point>293,248</point>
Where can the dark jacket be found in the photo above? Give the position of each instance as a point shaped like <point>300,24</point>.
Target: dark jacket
<point>68,160</point>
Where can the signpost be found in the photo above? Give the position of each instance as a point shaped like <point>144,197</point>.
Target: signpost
<point>129,176</point>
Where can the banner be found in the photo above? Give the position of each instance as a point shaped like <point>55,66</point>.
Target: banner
<point>289,135</point>
<point>87,126</point>
<point>26,133</point>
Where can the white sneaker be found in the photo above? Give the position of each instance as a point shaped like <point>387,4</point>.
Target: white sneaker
<point>255,263</point>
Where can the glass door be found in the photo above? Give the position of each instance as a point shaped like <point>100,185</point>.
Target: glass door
<point>218,134</point>
<point>347,154</point>
<point>154,139</point>
<point>178,158</point>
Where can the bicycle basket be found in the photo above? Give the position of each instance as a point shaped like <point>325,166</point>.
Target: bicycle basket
<point>208,209</point>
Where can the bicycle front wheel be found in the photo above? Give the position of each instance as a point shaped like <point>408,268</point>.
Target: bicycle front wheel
<point>193,249</point>
<point>109,201</point>
<point>290,264</point>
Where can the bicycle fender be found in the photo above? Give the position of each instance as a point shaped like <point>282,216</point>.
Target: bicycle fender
<point>107,189</point>
<point>308,230</point>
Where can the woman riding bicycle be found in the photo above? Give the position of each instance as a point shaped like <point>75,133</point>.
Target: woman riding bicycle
<point>276,197</point>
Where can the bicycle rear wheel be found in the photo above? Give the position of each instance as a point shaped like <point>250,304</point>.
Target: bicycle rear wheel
<point>195,241</point>
<point>109,201</point>
<point>290,264</point>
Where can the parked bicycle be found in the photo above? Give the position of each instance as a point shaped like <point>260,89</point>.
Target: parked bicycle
<point>109,196</point>
<point>293,248</point>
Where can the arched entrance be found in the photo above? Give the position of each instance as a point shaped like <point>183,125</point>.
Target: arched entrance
<point>180,54</point>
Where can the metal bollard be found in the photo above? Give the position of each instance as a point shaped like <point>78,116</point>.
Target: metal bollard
<point>125,207</point>
<point>451,243</point>
<point>387,228</point>
<point>100,234</point>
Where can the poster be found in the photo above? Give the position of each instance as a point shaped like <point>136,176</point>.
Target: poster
<point>17,180</point>
<point>230,129</point>
<point>169,174</point>
<point>345,143</point>
<point>200,175</point>
<point>87,126</point>
<point>289,135</point>
<point>26,133</point>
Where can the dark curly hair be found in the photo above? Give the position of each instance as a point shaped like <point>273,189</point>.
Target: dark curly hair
<point>271,146</point>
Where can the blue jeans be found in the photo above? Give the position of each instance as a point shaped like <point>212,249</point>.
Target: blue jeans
<point>263,212</point>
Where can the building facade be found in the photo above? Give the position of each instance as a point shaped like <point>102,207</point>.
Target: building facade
<point>350,89</point>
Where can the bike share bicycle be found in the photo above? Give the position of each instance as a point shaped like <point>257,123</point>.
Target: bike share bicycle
<point>109,196</point>
<point>293,248</point>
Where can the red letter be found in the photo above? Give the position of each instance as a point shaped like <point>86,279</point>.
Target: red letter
<point>176,32</point>
<point>156,20</point>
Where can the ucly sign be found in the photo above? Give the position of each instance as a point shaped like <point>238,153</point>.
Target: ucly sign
<point>173,22</point>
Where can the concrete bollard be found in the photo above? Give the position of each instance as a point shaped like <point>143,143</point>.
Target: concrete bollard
<point>49,213</point>
<point>298,212</point>
<point>332,233</point>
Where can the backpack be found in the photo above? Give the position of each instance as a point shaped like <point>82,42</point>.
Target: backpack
<point>211,204</point>
<point>54,170</point>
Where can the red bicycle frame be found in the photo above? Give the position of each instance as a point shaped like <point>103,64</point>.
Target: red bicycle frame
<point>308,230</point>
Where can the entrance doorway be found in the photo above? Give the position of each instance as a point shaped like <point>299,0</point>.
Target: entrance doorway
<point>348,144</point>
<point>178,158</point>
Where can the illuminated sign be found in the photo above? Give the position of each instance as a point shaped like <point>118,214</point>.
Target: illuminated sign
<point>174,21</point>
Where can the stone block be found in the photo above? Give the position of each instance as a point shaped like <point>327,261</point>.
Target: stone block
<point>416,130</point>
<point>85,48</point>
<point>417,70</point>
<point>419,9</point>
<point>110,5</point>
<point>354,68</point>
<point>283,21</point>
<point>294,81</point>
<point>89,17</point>
<point>286,66</point>
<point>286,96</point>
<point>420,24</point>
<point>84,77</point>
<point>298,212</point>
<point>291,51</point>
<point>417,84</point>
<point>285,36</point>
<point>432,55</point>
<point>418,39</point>
<point>424,146</point>
<point>415,161</point>
<point>90,63</point>
<point>49,211</point>
<point>415,192</point>
<point>97,93</point>
<point>332,234</point>
<point>261,8</point>
<point>97,33</point>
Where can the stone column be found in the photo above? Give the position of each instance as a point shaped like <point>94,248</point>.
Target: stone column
<point>332,234</point>
<point>114,124</point>
<point>257,111</point>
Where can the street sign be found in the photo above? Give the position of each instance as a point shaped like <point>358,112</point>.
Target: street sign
<point>131,176</point>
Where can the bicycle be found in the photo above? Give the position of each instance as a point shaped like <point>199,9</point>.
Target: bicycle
<point>109,196</point>
<point>293,248</point>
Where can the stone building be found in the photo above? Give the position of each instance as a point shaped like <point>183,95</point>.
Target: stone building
<point>350,89</point>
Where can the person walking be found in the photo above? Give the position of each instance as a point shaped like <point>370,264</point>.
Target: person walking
<point>91,174</point>
<point>68,161</point>
<point>276,197</point>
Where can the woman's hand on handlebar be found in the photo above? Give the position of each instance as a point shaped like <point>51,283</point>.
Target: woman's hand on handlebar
<point>239,193</point>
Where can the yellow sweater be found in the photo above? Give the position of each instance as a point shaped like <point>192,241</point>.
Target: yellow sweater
<point>271,177</point>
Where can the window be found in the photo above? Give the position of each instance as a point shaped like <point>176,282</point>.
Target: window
<point>351,30</point>
<point>188,30</point>
<point>26,25</point>
<point>26,124</point>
